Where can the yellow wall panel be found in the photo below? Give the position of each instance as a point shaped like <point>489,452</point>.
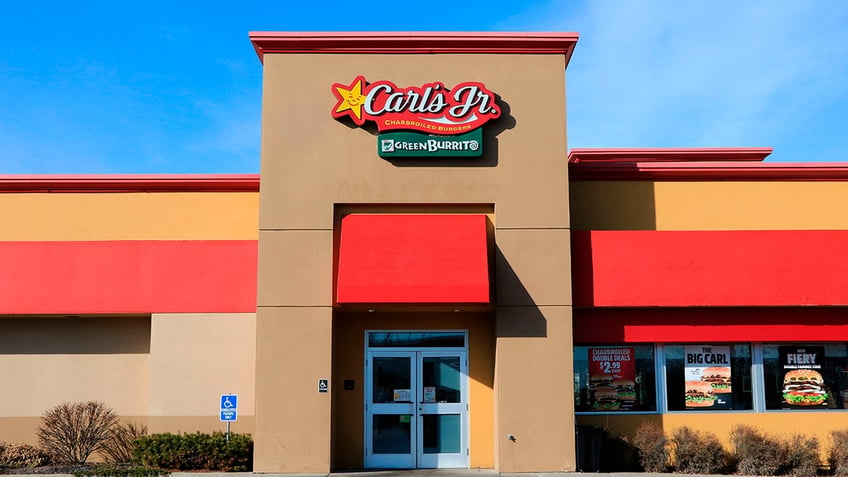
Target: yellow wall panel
<point>714,205</point>
<point>129,216</point>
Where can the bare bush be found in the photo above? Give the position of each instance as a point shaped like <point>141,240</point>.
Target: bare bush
<point>13,456</point>
<point>756,453</point>
<point>838,454</point>
<point>652,444</point>
<point>117,449</point>
<point>800,456</point>
<point>698,452</point>
<point>71,432</point>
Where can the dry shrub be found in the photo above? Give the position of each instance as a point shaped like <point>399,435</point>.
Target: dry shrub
<point>117,449</point>
<point>71,432</point>
<point>756,453</point>
<point>800,456</point>
<point>698,452</point>
<point>14,456</point>
<point>652,444</point>
<point>838,453</point>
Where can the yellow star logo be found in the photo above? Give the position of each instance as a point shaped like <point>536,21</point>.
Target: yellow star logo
<point>350,99</point>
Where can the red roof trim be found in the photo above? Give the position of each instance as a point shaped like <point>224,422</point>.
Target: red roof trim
<point>413,42</point>
<point>131,183</point>
<point>716,154</point>
<point>698,171</point>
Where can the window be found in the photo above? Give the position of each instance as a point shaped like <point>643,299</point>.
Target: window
<point>614,379</point>
<point>805,376</point>
<point>711,377</point>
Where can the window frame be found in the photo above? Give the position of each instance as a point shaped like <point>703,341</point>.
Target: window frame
<point>661,380</point>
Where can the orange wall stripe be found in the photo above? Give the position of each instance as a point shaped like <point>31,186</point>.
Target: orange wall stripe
<point>128,277</point>
<point>710,268</point>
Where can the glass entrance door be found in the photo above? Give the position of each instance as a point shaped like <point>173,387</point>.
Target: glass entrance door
<point>416,409</point>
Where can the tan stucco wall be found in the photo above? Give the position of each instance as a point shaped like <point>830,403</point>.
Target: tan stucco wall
<point>194,358</point>
<point>310,161</point>
<point>715,205</point>
<point>45,361</point>
<point>166,371</point>
<point>129,216</point>
<point>293,347</point>
<point>313,165</point>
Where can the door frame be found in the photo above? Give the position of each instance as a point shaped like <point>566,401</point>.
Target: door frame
<point>417,409</point>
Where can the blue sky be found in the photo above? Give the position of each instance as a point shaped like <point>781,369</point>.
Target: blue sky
<point>175,87</point>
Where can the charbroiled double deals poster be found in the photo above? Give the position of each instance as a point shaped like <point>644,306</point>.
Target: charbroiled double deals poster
<point>707,374</point>
<point>612,379</point>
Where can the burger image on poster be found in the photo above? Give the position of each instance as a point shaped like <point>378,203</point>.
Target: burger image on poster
<point>606,399</point>
<point>597,380</point>
<point>718,377</point>
<point>804,387</point>
<point>699,394</point>
<point>625,388</point>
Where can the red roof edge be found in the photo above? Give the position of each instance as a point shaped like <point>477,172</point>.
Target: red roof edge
<point>131,183</point>
<point>413,42</point>
<point>717,154</point>
<point>692,164</point>
<point>718,171</point>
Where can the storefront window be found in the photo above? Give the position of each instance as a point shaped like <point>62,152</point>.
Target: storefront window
<point>708,377</point>
<point>806,376</point>
<point>614,379</point>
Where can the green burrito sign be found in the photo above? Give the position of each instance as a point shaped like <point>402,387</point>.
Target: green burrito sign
<point>411,144</point>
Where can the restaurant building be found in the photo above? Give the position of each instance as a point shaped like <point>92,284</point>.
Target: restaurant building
<point>426,277</point>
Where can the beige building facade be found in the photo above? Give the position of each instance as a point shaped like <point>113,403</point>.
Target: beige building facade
<point>317,170</point>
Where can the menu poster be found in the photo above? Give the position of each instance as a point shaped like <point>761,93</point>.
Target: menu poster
<point>612,374</point>
<point>707,377</point>
<point>803,385</point>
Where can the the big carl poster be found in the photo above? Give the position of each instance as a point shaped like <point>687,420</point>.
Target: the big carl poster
<point>707,375</point>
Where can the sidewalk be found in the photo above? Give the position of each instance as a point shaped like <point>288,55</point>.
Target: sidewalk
<point>413,473</point>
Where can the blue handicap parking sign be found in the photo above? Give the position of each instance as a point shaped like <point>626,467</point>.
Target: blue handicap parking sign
<point>229,407</point>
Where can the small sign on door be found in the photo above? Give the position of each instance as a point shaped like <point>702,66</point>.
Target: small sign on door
<point>429,394</point>
<point>402,395</point>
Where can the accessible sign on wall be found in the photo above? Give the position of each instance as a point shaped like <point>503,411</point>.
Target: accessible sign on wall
<point>419,121</point>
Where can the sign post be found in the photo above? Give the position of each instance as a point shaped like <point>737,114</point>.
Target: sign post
<point>229,410</point>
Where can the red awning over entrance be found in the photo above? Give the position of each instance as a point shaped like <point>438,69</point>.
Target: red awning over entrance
<point>429,259</point>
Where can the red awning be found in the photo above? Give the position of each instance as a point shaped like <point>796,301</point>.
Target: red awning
<point>430,259</point>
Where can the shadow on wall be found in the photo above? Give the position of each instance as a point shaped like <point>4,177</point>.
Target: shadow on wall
<point>525,320</point>
<point>55,335</point>
<point>607,205</point>
<point>615,444</point>
<point>612,205</point>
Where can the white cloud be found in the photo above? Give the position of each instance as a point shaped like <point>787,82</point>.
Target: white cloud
<point>699,74</point>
